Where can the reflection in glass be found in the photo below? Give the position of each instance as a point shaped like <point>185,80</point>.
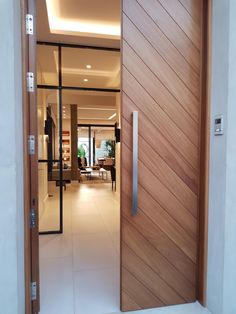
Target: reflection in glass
<point>90,68</point>
<point>84,145</point>
<point>103,148</point>
<point>96,146</point>
<point>48,164</point>
<point>47,65</point>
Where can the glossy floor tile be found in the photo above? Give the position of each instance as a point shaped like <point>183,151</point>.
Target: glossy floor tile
<point>79,270</point>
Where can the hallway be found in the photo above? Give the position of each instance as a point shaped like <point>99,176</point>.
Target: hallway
<point>80,269</point>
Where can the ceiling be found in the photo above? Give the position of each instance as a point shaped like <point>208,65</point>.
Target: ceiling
<point>103,71</point>
<point>98,107</point>
<point>100,133</point>
<point>85,22</point>
<point>81,67</point>
<point>93,107</point>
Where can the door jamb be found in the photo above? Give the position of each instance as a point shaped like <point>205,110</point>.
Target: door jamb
<point>204,151</point>
<point>30,161</point>
<point>26,166</point>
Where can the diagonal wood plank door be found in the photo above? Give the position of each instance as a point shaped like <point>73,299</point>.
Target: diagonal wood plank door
<point>161,79</point>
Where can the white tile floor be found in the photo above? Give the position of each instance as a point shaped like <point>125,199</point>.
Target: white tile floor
<point>79,270</point>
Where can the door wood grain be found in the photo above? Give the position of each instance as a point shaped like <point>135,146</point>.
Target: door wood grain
<point>161,79</point>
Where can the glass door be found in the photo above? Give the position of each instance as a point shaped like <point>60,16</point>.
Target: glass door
<point>50,172</point>
<point>63,73</point>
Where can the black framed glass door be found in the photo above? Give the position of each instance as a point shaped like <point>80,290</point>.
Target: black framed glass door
<point>50,166</point>
<point>61,68</point>
<point>50,185</point>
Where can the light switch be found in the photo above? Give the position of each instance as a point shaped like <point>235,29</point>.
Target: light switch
<point>218,125</point>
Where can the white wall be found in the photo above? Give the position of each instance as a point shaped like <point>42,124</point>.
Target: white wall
<point>222,214</point>
<point>229,293</point>
<point>11,155</point>
<point>220,13</point>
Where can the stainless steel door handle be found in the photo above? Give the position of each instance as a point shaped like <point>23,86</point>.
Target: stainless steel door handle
<point>134,209</point>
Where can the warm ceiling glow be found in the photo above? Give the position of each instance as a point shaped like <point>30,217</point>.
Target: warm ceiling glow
<point>93,108</point>
<point>60,25</point>
<point>88,66</point>
<point>111,117</point>
<point>77,71</point>
<point>85,80</point>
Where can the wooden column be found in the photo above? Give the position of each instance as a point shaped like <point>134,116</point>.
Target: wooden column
<point>74,158</point>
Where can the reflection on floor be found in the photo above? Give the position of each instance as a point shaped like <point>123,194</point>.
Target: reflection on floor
<point>49,209</point>
<point>79,270</point>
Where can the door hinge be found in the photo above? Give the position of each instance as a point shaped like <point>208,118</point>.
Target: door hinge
<point>33,291</point>
<point>30,82</point>
<point>31,144</point>
<point>29,23</point>
<point>33,218</point>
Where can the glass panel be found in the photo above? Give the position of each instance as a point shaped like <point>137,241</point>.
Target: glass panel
<point>48,164</point>
<point>84,147</point>
<point>93,107</point>
<point>90,68</point>
<point>103,139</point>
<point>47,65</point>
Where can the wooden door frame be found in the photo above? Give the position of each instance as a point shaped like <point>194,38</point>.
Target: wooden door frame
<point>205,152</point>
<point>26,167</point>
<point>29,109</point>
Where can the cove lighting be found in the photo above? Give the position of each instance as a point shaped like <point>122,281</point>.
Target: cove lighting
<point>59,25</point>
<point>95,108</point>
<point>111,117</point>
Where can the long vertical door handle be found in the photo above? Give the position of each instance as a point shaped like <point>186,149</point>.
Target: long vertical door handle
<point>134,210</point>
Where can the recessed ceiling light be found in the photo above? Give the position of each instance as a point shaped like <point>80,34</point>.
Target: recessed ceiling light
<point>88,66</point>
<point>85,80</point>
<point>111,117</point>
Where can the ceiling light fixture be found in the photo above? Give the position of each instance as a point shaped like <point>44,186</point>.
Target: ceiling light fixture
<point>111,117</point>
<point>88,66</point>
<point>85,80</point>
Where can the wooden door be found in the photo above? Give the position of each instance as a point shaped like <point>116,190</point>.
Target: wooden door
<point>161,80</point>
<point>30,162</point>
